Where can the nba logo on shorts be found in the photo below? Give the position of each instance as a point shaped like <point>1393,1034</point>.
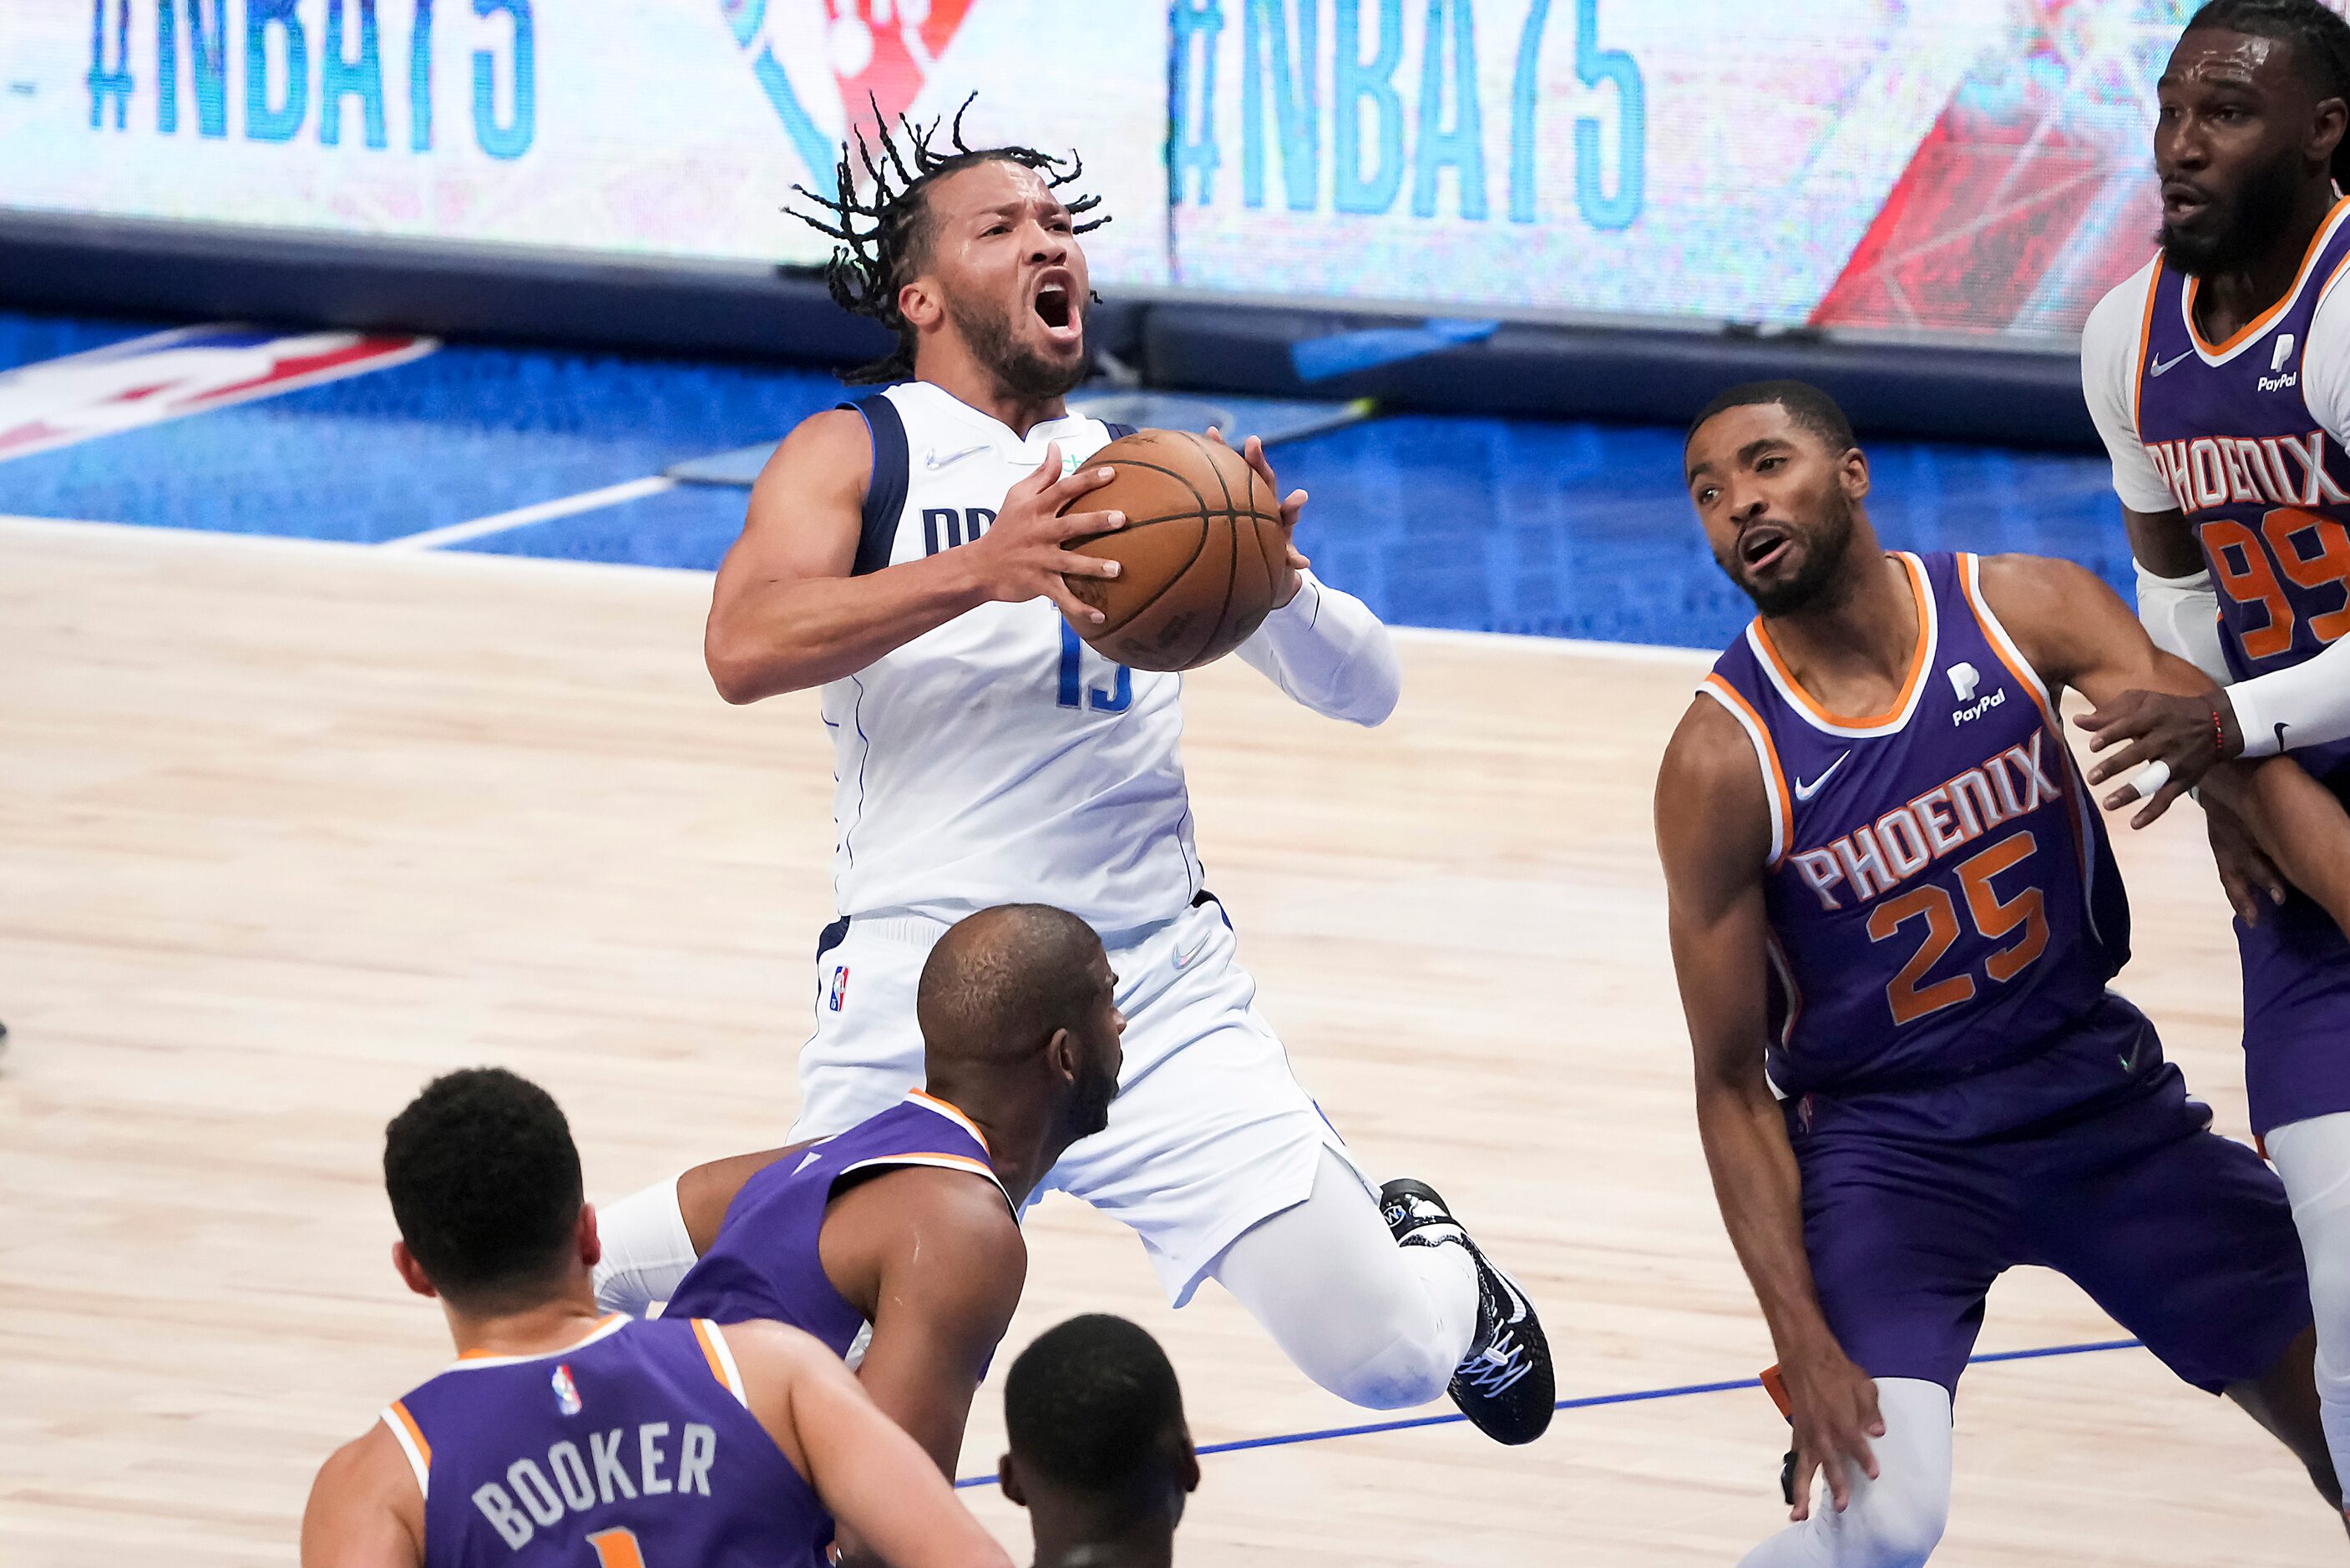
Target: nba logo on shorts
<point>840,987</point>
<point>567,1393</point>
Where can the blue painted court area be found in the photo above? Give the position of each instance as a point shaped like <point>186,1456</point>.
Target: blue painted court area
<point>1510,525</point>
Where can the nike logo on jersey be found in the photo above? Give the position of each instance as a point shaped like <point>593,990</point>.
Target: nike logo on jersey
<point>936,460</point>
<point>1807,788</point>
<point>2157,367</point>
<point>1183,960</point>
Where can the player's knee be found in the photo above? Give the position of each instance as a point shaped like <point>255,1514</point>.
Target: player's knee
<point>1397,1376</point>
<point>1896,1522</point>
<point>2329,1294</point>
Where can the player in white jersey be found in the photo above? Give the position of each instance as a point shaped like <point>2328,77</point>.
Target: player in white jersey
<point>904,553</point>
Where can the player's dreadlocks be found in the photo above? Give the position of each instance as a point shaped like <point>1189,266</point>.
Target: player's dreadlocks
<point>2321,46</point>
<point>884,236</point>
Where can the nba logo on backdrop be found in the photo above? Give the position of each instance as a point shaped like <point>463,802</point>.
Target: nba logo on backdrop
<point>148,380</point>
<point>881,53</point>
<point>839,988</point>
<point>567,1392</point>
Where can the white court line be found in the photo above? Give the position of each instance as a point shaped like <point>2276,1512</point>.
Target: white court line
<point>522,516</point>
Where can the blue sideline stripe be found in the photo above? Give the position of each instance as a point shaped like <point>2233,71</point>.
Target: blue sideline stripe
<point>1635,1398</point>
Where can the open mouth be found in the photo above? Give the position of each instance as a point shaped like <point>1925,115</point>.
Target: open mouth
<point>2183,201</point>
<point>1763,544</point>
<point>1056,308</point>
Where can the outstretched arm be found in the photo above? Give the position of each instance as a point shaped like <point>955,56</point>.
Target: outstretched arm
<point>785,614</point>
<point>1714,835</point>
<point>364,1510</point>
<point>1323,648</point>
<point>875,1482</point>
<point>2076,632</point>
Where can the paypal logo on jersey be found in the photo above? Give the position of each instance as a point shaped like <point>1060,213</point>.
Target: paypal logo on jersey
<point>1964,678</point>
<point>2274,381</point>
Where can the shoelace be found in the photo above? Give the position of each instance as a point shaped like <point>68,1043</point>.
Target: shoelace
<point>1496,1369</point>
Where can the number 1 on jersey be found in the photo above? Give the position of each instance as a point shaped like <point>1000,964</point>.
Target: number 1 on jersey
<point>1075,693</point>
<point>617,1548</point>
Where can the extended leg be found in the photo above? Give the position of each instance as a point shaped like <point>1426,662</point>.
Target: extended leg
<point>2312,1156</point>
<point>2284,1401</point>
<point>1375,1324</point>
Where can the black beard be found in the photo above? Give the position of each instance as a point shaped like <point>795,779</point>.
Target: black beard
<point>1090,1112</point>
<point>1021,372</point>
<point>1822,562</point>
<point>2251,220</point>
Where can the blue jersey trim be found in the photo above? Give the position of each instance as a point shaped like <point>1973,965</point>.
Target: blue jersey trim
<point>885,495</point>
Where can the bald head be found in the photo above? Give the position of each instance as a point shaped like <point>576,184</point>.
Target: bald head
<point>1001,981</point>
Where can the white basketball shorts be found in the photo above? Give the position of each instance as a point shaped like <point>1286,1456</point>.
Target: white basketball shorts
<point>1210,1132</point>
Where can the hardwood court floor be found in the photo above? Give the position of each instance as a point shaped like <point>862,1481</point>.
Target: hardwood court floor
<point>285,828</point>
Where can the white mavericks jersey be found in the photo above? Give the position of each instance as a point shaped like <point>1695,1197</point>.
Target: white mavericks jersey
<point>996,759</point>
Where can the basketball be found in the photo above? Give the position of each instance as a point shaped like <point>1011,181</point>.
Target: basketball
<point>1200,557</point>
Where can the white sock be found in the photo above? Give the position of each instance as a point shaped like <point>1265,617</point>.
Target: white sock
<point>2312,1156</point>
<point>647,1250</point>
<point>1894,1521</point>
<point>1377,1324</point>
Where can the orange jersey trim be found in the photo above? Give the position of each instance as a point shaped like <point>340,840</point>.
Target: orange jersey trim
<point>602,1324</point>
<point>710,1352</point>
<point>951,1114</point>
<point>1774,780</point>
<point>1994,632</point>
<point>2145,347</point>
<point>415,1433</point>
<point>721,1359</point>
<point>2266,318</point>
<point>1923,595</point>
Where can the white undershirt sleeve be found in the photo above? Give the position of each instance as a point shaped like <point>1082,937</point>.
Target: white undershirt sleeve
<point>2309,704</point>
<point>2109,368</point>
<point>2306,705</point>
<point>2182,616</point>
<point>1326,650</point>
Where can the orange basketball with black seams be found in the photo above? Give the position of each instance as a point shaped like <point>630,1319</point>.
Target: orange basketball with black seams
<point>1200,557</point>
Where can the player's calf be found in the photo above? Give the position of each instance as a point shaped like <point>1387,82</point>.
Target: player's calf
<point>1505,1384</point>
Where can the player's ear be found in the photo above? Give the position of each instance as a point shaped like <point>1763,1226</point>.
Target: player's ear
<point>918,303</point>
<point>1852,472</point>
<point>1008,1477</point>
<point>411,1273</point>
<point>590,1240</point>
<point>2325,131</point>
<point>1063,1054</point>
<point>1188,1470</point>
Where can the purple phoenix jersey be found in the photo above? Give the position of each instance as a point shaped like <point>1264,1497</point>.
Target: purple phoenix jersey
<point>1944,905</point>
<point>1964,1093</point>
<point>634,1447</point>
<point>2267,489</point>
<point>765,1262</point>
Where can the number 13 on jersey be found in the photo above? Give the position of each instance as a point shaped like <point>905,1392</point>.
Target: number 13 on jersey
<point>1074,691</point>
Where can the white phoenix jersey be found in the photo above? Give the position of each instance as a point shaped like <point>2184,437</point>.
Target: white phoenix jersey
<point>997,759</point>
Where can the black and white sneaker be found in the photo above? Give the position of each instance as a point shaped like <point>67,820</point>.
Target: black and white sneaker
<point>1505,1386</point>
